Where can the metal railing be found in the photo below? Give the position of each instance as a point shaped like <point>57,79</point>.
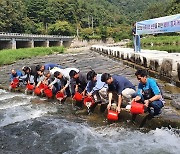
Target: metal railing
<point>33,35</point>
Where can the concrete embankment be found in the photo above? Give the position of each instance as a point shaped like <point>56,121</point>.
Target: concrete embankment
<point>164,65</point>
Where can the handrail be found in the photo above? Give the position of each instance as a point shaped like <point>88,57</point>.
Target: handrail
<point>33,35</point>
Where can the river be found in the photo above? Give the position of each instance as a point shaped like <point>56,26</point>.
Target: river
<point>45,128</point>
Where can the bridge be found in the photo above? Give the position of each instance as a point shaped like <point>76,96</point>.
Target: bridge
<point>17,40</point>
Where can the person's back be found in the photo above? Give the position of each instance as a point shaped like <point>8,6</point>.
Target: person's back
<point>56,69</point>
<point>33,70</point>
<point>118,88</point>
<point>49,66</point>
<point>78,81</point>
<point>120,83</point>
<point>82,81</point>
<point>95,85</point>
<point>65,72</point>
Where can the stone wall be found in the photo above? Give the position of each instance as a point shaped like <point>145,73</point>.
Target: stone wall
<point>76,43</point>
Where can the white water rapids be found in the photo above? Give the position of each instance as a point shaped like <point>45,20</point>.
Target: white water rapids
<point>29,128</point>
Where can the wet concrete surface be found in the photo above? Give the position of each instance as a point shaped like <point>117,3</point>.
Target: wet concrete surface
<point>85,60</point>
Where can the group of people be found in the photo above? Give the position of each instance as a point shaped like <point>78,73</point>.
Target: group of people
<point>112,90</point>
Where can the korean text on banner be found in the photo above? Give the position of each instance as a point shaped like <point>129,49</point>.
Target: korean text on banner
<point>159,25</point>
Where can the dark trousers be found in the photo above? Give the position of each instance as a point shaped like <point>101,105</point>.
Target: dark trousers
<point>154,108</point>
<point>156,105</point>
<point>56,88</point>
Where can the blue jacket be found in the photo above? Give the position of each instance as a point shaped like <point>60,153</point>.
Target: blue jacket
<point>119,84</point>
<point>50,66</point>
<point>17,75</point>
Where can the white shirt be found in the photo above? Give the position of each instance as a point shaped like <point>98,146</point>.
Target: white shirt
<point>64,72</point>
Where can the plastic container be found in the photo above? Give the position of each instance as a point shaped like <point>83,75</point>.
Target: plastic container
<point>60,95</point>
<point>48,93</point>
<point>137,108</point>
<point>37,91</point>
<point>78,96</point>
<point>112,115</point>
<point>89,101</point>
<point>45,87</point>
<point>41,86</point>
<point>30,87</point>
<point>15,83</point>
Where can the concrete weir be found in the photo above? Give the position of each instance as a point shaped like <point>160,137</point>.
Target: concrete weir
<point>163,65</point>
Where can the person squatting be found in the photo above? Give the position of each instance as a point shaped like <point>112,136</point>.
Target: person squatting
<point>112,91</point>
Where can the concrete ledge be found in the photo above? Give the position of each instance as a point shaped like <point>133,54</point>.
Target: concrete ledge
<point>164,64</point>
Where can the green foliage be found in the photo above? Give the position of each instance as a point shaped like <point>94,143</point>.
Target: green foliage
<point>161,40</point>
<point>61,28</point>
<point>12,16</point>
<point>10,56</point>
<point>103,33</point>
<point>174,7</point>
<point>164,8</point>
<point>86,33</point>
<point>168,48</point>
<point>96,37</point>
<point>105,18</point>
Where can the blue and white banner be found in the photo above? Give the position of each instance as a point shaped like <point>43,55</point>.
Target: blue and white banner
<point>159,25</point>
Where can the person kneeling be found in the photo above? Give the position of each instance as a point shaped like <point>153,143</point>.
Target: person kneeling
<point>118,87</point>
<point>149,93</point>
<point>97,89</point>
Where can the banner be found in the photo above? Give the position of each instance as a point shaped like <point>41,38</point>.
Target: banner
<point>159,25</point>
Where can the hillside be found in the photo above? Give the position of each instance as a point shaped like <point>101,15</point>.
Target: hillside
<point>88,19</point>
<point>134,9</point>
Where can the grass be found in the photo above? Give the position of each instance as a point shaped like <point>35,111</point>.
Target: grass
<point>161,40</point>
<point>169,48</point>
<point>162,43</point>
<point>165,43</point>
<point>11,55</point>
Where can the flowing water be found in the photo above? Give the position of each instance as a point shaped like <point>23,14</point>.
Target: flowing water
<point>27,127</point>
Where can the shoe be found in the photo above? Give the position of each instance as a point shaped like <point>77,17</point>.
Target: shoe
<point>128,107</point>
<point>157,115</point>
<point>113,106</point>
<point>151,111</point>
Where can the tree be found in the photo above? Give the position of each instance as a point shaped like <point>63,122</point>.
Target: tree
<point>103,33</point>
<point>175,7</point>
<point>12,16</point>
<point>61,28</point>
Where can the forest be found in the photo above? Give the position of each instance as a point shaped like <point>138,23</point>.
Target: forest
<point>87,19</point>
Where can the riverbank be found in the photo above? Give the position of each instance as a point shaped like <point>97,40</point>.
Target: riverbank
<point>85,59</point>
<point>10,56</point>
<point>162,43</point>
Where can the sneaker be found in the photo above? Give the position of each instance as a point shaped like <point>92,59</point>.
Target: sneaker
<point>128,107</point>
<point>151,111</point>
<point>113,106</point>
<point>157,115</point>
